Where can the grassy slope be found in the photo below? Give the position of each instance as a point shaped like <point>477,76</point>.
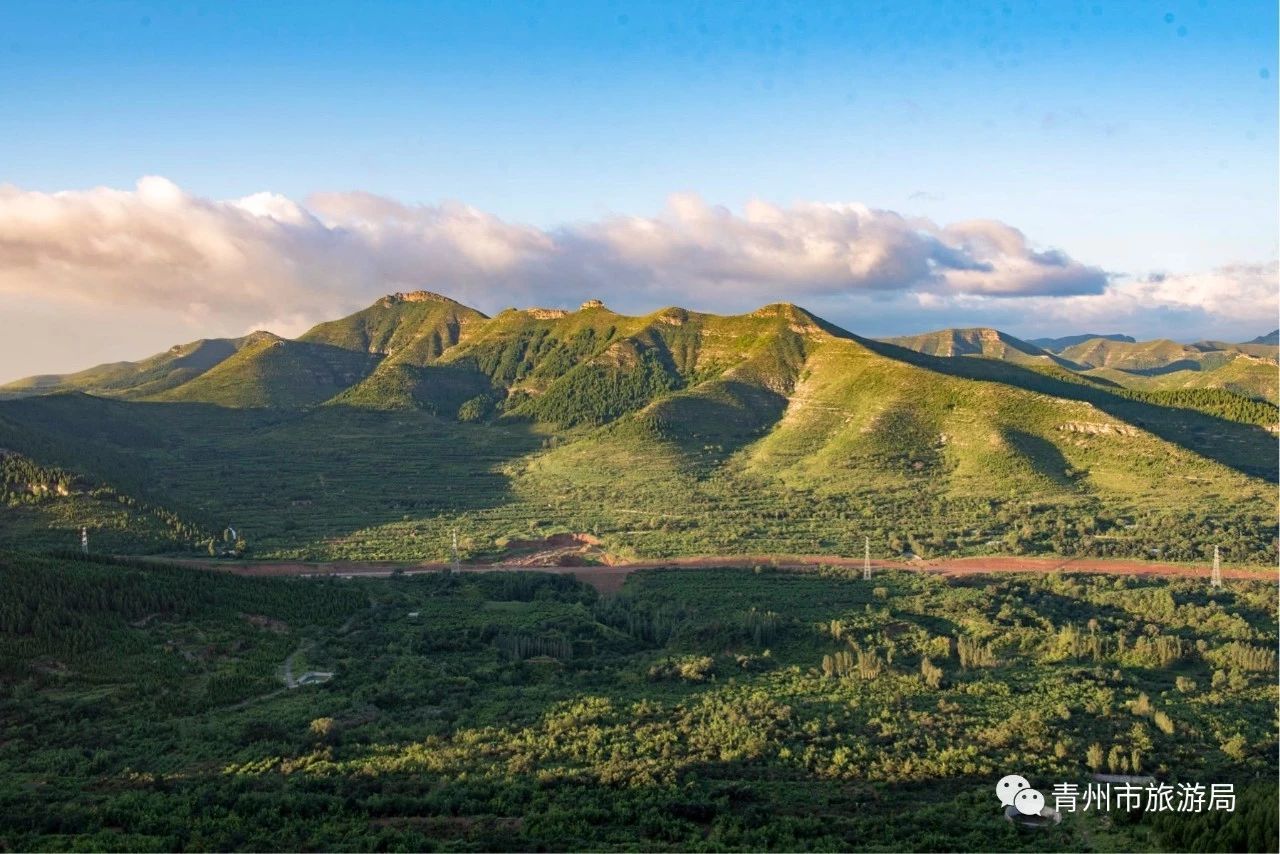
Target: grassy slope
<point>276,372</point>
<point>409,333</point>
<point>1246,369</point>
<point>153,375</point>
<point>1249,370</point>
<point>863,440</point>
<point>1244,375</point>
<point>675,432</point>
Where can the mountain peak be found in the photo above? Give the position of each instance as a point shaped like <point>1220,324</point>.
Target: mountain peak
<point>414,296</point>
<point>539,313</point>
<point>976,341</point>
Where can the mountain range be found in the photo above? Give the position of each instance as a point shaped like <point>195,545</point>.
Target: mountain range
<point>677,432</point>
<point>1249,369</point>
<point>375,357</point>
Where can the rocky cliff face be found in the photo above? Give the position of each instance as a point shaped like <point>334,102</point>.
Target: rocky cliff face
<point>413,296</point>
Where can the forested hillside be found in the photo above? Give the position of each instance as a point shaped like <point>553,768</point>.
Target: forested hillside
<point>677,432</point>
<point>144,707</point>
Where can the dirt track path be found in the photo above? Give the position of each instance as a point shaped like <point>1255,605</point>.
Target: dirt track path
<point>287,668</point>
<point>609,578</point>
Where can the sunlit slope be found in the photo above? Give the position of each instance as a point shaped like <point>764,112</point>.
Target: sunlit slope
<point>867,420</point>
<point>1057,345</point>
<point>1162,354</point>
<point>407,333</point>
<point>1128,355</point>
<point>414,327</point>
<point>276,372</point>
<point>1250,376</point>
<point>1249,369</point>
<point>591,366</point>
<point>150,376</point>
<point>864,437</point>
<point>1246,369</point>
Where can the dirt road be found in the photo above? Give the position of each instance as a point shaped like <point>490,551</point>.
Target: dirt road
<point>609,578</point>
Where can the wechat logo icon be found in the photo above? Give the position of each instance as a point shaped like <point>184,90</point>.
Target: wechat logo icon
<point>1014,790</point>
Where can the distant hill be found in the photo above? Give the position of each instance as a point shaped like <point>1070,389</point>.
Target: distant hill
<point>273,371</point>
<point>1250,370</point>
<point>1272,338</point>
<point>1161,354</point>
<point>1057,345</point>
<point>983,342</point>
<point>161,372</point>
<point>1247,369</point>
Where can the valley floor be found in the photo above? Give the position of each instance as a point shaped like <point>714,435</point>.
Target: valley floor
<point>146,706</point>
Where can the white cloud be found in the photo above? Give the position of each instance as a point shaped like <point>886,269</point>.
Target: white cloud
<point>1230,302</point>
<point>265,260</point>
<point>260,255</point>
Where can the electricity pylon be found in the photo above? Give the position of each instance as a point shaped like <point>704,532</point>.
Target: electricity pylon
<point>1215,580</point>
<point>866,558</point>
<point>455,567</point>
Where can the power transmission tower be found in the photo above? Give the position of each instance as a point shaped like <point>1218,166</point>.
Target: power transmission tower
<point>1215,580</point>
<point>866,558</point>
<point>455,562</point>
<point>84,540</point>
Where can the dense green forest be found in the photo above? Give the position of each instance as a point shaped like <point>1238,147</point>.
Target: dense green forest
<point>144,707</point>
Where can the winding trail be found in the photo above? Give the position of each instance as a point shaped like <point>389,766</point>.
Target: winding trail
<point>286,669</point>
<point>609,578</point>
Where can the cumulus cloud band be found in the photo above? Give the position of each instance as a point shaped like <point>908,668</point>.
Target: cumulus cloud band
<point>267,261</point>
<point>161,246</point>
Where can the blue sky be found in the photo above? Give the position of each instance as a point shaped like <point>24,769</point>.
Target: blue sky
<point>1137,137</point>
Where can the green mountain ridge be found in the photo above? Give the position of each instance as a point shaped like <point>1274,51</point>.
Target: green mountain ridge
<point>1251,370</point>
<point>675,432</point>
<point>154,375</point>
<point>1057,345</point>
